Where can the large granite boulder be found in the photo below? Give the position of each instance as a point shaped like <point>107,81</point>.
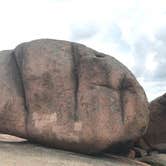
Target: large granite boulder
<point>155,137</point>
<point>68,96</point>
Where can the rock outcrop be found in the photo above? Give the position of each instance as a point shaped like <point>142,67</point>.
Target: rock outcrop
<point>24,153</point>
<point>155,136</point>
<point>68,96</point>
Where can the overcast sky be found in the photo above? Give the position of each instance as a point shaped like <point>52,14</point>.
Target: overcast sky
<point>133,31</point>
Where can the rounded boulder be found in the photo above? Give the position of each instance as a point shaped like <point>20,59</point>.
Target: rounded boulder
<point>76,98</point>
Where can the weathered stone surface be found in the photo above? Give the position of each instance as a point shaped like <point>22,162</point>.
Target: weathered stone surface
<point>72,97</point>
<point>155,136</point>
<point>25,154</point>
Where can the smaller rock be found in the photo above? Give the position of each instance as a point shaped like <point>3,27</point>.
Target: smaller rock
<point>155,160</point>
<point>155,137</point>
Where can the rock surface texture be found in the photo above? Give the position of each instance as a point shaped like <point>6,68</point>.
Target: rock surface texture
<point>155,136</point>
<point>32,155</point>
<point>68,96</point>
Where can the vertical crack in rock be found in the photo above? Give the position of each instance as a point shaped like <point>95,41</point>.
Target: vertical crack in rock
<point>22,88</point>
<point>121,94</point>
<point>76,71</point>
<point>122,105</point>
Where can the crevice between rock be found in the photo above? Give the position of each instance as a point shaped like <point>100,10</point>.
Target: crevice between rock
<point>23,90</point>
<point>76,72</point>
<point>121,97</point>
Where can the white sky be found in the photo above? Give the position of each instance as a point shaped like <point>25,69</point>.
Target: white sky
<point>133,31</point>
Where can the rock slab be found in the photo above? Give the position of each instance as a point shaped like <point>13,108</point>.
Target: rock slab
<point>26,154</point>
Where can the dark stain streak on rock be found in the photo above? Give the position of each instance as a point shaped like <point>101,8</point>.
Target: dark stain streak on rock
<point>14,74</point>
<point>19,58</point>
<point>76,71</point>
<point>121,93</point>
<point>19,68</point>
<point>21,80</point>
<point>122,88</point>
